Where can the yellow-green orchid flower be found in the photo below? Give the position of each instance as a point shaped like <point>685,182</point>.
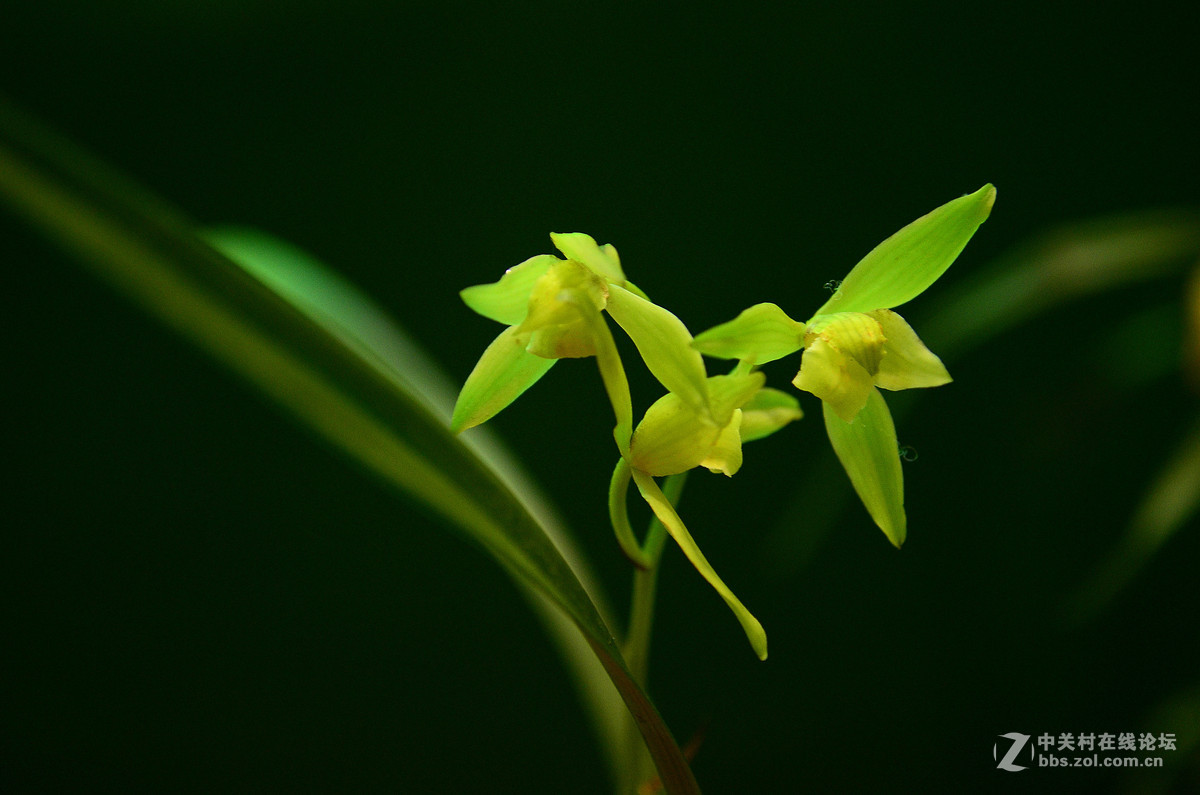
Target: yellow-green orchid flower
<point>552,308</point>
<point>854,343</point>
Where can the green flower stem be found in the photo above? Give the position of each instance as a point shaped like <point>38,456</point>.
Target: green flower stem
<point>618,513</point>
<point>666,513</point>
<point>636,648</point>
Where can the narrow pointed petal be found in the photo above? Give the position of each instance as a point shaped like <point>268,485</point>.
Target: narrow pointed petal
<point>906,362</point>
<point>762,333</point>
<point>901,267</point>
<point>504,371</point>
<point>507,300</point>
<point>870,455</point>
<point>665,345</point>
<point>768,411</point>
<point>612,373</point>
<point>601,260</point>
<point>837,379</point>
<point>675,527</point>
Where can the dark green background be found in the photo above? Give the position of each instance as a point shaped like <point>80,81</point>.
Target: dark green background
<point>199,597</point>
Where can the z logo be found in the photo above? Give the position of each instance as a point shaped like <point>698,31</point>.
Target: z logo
<point>1018,742</point>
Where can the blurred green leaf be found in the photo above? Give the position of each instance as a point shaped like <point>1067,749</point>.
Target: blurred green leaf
<point>1172,499</point>
<point>333,384</point>
<point>1061,265</point>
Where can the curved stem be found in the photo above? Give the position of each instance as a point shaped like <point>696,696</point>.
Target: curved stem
<point>618,514</point>
<point>636,648</point>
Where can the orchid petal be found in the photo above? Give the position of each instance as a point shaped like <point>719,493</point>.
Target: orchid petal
<point>633,288</point>
<point>665,345</point>
<point>836,378</point>
<point>673,438</point>
<point>768,411</point>
<point>855,334</point>
<point>678,530</point>
<point>601,260</point>
<point>557,305</point>
<point>729,392</point>
<point>906,362</point>
<point>725,454</point>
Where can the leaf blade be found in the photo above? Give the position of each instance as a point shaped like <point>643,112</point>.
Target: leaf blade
<point>155,256</point>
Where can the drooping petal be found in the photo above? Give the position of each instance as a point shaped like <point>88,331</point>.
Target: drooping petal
<point>665,345</point>
<point>678,530</point>
<point>901,267</point>
<point>504,371</point>
<point>868,451</point>
<point>601,260</point>
<point>906,362</point>
<point>768,411</point>
<point>507,301</point>
<point>836,378</point>
<point>762,333</point>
